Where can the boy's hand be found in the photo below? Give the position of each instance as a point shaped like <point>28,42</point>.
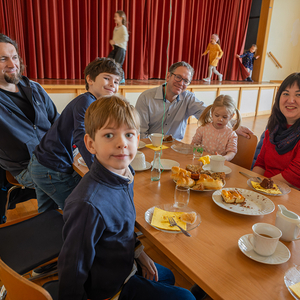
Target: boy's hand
<point>148,267</point>
<point>237,56</point>
<point>257,57</point>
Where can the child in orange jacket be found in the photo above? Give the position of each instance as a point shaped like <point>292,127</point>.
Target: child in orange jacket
<point>215,53</point>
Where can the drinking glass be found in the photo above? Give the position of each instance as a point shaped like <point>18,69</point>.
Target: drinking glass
<point>181,196</point>
<point>197,151</point>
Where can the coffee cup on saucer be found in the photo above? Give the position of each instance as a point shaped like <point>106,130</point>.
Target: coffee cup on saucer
<point>217,163</point>
<point>265,238</point>
<point>156,139</point>
<point>139,161</point>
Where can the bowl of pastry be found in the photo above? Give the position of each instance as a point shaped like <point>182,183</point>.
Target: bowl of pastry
<point>197,179</point>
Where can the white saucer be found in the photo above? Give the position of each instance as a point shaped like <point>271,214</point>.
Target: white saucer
<point>226,169</point>
<point>81,161</point>
<point>281,255</point>
<point>141,145</point>
<point>148,166</point>
<point>167,164</point>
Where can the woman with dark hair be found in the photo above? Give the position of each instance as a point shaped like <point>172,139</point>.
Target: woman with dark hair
<point>280,154</point>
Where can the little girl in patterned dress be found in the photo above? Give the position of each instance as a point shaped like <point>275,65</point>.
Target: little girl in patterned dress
<point>215,132</point>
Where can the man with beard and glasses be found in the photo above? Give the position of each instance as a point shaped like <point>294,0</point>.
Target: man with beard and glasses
<point>26,113</point>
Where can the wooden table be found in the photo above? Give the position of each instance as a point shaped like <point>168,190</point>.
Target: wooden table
<point>211,257</point>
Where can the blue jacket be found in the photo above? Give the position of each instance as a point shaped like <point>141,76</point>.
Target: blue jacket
<point>99,240</point>
<point>55,150</point>
<point>19,136</point>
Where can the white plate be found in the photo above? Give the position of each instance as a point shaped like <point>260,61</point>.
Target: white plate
<point>148,166</point>
<point>168,141</point>
<point>170,207</point>
<point>81,161</point>
<point>183,148</point>
<point>284,188</point>
<point>141,145</point>
<point>292,276</point>
<point>226,169</point>
<point>167,164</point>
<point>255,204</point>
<point>281,255</point>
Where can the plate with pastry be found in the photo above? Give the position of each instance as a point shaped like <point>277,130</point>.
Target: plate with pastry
<point>292,281</point>
<point>203,183</point>
<point>183,148</point>
<point>268,186</point>
<point>244,202</point>
<point>157,217</point>
<point>168,139</point>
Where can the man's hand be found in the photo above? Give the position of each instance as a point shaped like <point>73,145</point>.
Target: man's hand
<point>244,131</point>
<point>148,267</point>
<point>112,42</point>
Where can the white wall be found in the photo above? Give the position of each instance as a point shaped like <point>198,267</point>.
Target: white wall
<point>284,40</point>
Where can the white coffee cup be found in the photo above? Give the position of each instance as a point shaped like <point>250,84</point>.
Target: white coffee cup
<point>156,139</point>
<point>139,161</point>
<point>265,238</point>
<point>217,163</point>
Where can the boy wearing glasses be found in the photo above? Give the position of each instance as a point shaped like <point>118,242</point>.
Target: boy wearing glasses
<point>171,102</point>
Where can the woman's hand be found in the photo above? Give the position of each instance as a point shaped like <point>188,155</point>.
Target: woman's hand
<point>149,270</point>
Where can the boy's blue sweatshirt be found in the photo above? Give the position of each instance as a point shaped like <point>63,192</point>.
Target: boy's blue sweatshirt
<point>55,150</point>
<point>99,240</point>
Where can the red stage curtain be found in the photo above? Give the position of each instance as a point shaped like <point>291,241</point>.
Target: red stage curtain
<point>58,38</point>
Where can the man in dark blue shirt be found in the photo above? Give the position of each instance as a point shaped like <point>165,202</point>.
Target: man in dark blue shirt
<point>26,113</point>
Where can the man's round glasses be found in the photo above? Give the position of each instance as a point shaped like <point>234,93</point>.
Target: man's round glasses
<point>178,78</point>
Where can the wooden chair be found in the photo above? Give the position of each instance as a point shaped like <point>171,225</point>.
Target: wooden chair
<point>245,151</point>
<point>20,288</point>
<point>15,185</point>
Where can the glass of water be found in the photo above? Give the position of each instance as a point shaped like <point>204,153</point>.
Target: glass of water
<point>197,151</point>
<point>181,196</point>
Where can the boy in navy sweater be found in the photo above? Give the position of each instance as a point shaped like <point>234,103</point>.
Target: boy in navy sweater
<point>51,164</point>
<point>101,257</point>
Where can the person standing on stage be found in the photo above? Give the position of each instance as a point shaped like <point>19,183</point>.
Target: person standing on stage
<point>120,39</point>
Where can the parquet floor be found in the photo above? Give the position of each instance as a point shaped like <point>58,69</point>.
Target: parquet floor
<point>256,124</point>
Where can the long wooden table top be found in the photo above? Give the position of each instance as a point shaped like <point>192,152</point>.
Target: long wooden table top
<point>211,257</point>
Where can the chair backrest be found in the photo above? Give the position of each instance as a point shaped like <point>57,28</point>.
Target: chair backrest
<point>245,151</point>
<point>20,288</point>
<point>11,179</point>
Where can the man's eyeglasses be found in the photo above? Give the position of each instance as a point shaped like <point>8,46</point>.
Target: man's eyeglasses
<point>178,78</point>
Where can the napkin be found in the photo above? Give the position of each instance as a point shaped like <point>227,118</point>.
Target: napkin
<point>274,191</point>
<point>295,288</point>
<point>205,159</point>
<point>160,219</point>
<point>155,148</point>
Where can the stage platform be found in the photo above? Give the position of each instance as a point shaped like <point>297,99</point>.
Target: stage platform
<point>252,98</point>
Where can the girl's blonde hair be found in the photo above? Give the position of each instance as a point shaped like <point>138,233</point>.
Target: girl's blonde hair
<point>221,101</point>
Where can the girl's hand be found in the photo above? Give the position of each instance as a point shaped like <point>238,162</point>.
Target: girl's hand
<point>149,270</point>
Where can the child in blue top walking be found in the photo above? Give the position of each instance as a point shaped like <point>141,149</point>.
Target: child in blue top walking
<point>248,60</point>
